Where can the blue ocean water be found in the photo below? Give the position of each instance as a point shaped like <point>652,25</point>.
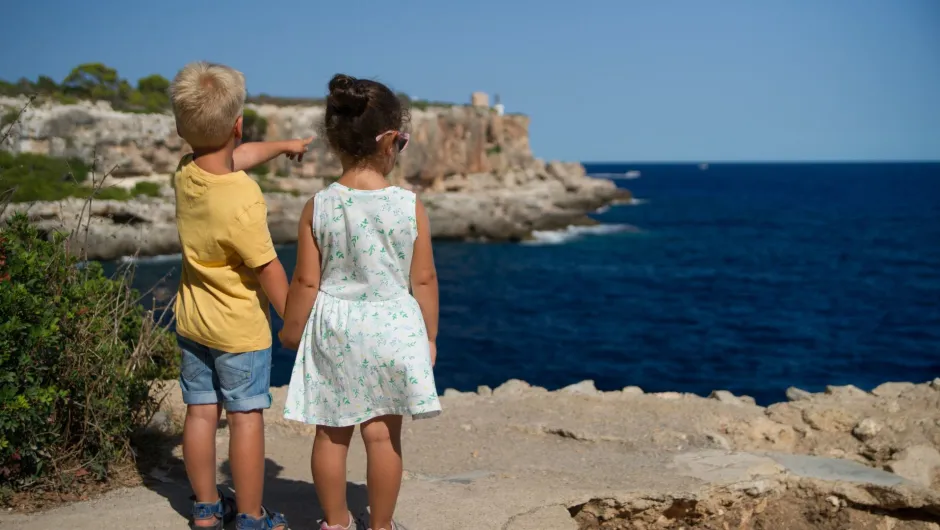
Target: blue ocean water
<point>745,277</point>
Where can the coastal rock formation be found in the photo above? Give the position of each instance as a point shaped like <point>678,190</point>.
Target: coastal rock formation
<point>473,168</point>
<point>445,141</point>
<point>525,458</point>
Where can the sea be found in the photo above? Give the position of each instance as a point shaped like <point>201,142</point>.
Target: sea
<point>744,277</point>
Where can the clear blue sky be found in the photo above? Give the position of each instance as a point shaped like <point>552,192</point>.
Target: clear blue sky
<point>637,80</point>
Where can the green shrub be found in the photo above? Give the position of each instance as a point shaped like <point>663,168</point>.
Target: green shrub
<point>35,177</point>
<point>77,354</point>
<point>147,189</point>
<point>254,126</point>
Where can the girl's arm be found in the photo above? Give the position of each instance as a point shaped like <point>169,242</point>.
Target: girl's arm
<point>305,284</point>
<point>424,277</point>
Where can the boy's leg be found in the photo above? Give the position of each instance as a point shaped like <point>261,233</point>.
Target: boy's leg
<point>382,437</point>
<point>203,400</point>
<point>246,457</point>
<point>328,463</point>
<point>245,381</point>
<point>199,450</point>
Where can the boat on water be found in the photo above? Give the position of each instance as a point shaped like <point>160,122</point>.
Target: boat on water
<point>703,166</point>
<point>632,174</point>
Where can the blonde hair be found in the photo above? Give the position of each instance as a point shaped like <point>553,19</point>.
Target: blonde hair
<point>207,100</point>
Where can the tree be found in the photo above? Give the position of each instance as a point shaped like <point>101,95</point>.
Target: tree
<point>153,84</point>
<point>46,85</point>
<point>93,80</point>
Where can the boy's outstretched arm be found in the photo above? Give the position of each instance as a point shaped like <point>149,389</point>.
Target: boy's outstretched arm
<point>305,284</point>
<point>251,154</point>
<point>424,277</point>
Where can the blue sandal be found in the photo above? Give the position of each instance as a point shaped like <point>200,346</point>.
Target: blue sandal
<point>222,511</point>
<point>268,521</point>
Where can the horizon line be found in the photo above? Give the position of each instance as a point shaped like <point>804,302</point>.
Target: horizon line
<point>755,162</point>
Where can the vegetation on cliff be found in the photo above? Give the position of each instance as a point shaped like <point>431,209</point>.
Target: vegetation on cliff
<point>99,82</point>
<point>96,81</point>
<point>27,177</point>
<point>78,354</point>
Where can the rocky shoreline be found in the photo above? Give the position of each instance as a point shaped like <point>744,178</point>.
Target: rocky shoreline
<point>473,169</point>
<point>520,457</point>
<point>147,227</point>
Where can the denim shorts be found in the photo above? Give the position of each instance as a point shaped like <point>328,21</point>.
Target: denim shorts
<point>240,381</point>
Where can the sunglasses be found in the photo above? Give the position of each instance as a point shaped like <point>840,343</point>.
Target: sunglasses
<point>401,138</point>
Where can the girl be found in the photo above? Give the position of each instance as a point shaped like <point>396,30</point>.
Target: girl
<point>365,344</point>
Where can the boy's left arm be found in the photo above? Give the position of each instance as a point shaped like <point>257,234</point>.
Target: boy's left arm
<point>251,154</point>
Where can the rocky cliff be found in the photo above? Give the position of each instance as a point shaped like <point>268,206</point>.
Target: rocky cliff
<point>473,168</point>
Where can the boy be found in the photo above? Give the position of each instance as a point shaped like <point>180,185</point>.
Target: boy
<point>230,274</point>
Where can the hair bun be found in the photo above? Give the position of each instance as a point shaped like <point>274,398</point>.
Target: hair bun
<point>347,95</point>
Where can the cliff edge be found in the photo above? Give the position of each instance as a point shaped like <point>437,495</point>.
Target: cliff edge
<point>524,458</point>
<point>473,168</point>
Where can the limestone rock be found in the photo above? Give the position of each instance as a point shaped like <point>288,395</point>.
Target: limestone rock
<point>866,429</point>
<point>484,390</point>
<point>798,394</point>
<point>892,389</point>
<point>725,397</point>
<point>667,395</point>
<point>161,423</point>
<point>918,463</point>
<point>845,391</point>
<point>474,170</point>
<point>513,387</point>
<point>829,419</point>
<point>632,391</point>
<point>584,388</point>
<point>554,517</point>
<point>718,440</point>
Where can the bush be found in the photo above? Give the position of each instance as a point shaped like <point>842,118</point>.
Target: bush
<point>77,354</point>
<point>35,177</point>
<point>146,189</point>
<point>96,81</point>
<point>254,126</point>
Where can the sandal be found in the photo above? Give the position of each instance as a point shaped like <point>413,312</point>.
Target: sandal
<point>268,521</point>
<point>222,510</point>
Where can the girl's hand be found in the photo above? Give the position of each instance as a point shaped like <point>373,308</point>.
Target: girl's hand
<point>433,346</point>
<point>287,342</point>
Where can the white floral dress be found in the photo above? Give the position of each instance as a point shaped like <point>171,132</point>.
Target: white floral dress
<point>364,352</point>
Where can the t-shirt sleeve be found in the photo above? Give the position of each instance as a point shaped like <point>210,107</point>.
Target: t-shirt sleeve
<point>250,235</point>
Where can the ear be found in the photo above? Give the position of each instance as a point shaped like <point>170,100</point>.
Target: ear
<point>237,130</point>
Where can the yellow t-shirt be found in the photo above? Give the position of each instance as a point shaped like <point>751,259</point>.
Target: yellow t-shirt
<point>223,230</point>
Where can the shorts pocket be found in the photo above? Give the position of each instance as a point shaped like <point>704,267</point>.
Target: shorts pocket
<point>234,369</point>
<point>194,363</point>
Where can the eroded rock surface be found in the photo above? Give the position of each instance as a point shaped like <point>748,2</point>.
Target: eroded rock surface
<point>473,169</point>
<point>522,457</point>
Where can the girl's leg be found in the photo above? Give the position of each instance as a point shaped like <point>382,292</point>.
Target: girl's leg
<point>382,437</point>
<point>328,461</point>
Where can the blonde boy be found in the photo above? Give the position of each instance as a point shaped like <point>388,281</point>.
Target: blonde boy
<point>230,275</point>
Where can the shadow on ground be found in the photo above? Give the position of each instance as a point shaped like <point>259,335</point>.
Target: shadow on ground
<point>165,474</point>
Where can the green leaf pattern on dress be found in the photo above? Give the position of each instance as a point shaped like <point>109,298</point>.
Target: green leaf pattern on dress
<point>364,352</point>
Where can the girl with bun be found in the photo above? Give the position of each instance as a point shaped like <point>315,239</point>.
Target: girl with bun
<point>362,308</point>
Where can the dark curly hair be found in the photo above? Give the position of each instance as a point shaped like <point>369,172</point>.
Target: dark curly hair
<point>358,110</point>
